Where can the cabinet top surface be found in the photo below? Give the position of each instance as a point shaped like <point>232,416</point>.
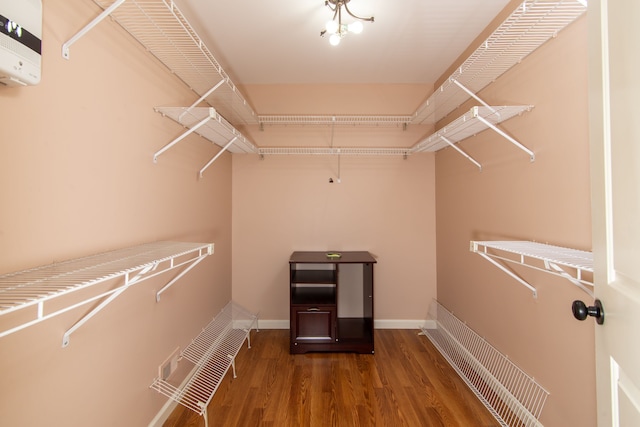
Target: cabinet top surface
<point>355,257</point>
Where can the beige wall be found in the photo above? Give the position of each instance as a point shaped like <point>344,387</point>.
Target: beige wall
<point>77,178</point>
<point>546,201</point>
<point>382,205</point>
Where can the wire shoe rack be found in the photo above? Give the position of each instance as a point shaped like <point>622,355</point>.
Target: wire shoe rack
<point>210,355</point>
<point>514,398</point>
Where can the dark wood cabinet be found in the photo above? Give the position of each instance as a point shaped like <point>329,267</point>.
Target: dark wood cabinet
<point>331,302</point>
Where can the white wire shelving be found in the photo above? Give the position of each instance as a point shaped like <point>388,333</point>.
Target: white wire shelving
<point>334,151</point>
<point>163,31</point>
<point>206,122</point>
<point>29,293</point>
<point>514,398</point>
<point>532,24</point>
<point>572,264</point>
<point>161,28</point>
<point>476,120</point>
<point>209,356</point>
<point>348,120</point>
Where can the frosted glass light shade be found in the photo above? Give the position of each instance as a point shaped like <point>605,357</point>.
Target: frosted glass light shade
<point>355,27</point>
<point>331,27</point>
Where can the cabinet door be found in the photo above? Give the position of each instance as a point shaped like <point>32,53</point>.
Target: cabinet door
<point>313,324</point>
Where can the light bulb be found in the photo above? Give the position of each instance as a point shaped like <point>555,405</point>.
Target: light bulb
<point>334,40</point>
<point>331,27</point>
<point>356,27</point>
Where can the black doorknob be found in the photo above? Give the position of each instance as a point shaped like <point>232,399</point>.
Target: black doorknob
<point>581,311</point>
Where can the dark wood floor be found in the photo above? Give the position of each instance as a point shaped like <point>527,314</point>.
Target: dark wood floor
<point>406,383</point>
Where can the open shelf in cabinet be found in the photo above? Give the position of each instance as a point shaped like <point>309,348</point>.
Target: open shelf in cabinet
<point>310,295</point>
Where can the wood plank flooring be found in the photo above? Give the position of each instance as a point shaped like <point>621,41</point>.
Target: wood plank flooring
<point>406,383</point>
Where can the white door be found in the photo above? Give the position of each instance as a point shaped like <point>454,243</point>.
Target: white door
<point>614,43</point>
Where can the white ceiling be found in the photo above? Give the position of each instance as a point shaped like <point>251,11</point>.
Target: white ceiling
<point>278,41</point>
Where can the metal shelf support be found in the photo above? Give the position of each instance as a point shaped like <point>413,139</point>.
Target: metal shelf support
<point>218,154</point>
<point>473,95</point>
<point>181,137</point>
<point>199,100</point>
<point>182,273</point>
<point>555,260</point>
<point>532,156</point>
<point>459,150</point>
<point>89,27</point>
<point>474,121</point>
<point>30,292</point>
<point>127,283</point>
<point>508,271</point>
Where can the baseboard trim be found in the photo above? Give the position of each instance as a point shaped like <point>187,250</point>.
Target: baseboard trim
<point>164,413</point>
<point>377,324</point>
<point>403,324</point>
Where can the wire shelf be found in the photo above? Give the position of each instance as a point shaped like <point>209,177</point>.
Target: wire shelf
<point>162,29</point>
<point>210,354</point>
<point>469,124</point>
<point>572,264</point>
<point>514,398</point>
<point>328,151</point>
<point>37,286</point>
<point>216,129</point>
<point>532,24</point>
<point>320,120</point>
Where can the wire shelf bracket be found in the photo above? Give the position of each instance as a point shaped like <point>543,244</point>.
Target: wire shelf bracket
<point>29,293</point>
<point>206,122</point>
<point>210,355</point>
<point>476,120</point>
<point>461,151</point>
<point>199,100</point>
<point>163,31</point>
<point>67,45</point>
<point>572,264</point>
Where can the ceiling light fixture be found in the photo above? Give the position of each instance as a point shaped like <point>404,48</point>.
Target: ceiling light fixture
<point>336,28</point>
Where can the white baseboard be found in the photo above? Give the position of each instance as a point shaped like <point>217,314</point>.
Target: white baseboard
<point>273,324</point>
<point>163,414</point>
<point>377,324</point>
<point>403,324</point>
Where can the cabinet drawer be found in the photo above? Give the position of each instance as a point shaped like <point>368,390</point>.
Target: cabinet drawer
<point>313,324</point>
